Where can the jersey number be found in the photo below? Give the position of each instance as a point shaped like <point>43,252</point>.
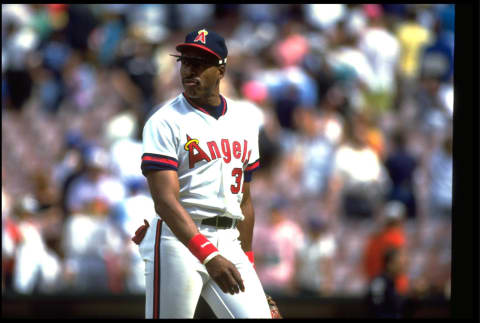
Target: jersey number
<point>237,173</point>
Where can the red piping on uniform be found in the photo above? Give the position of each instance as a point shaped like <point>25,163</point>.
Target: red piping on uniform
<point>224,105</point>
<point>156,279</point>
<point>161,160</point>
<point>196,106</point>
<point>253,166</point>
<point>203,110</point>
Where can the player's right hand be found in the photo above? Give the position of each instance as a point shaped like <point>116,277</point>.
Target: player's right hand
<point>225,274</point>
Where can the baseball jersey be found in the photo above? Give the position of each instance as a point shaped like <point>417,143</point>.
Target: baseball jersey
<point>212,156</point>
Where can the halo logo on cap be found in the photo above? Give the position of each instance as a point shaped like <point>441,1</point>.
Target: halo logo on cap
<point>215,44</point>
<point>202,35</point>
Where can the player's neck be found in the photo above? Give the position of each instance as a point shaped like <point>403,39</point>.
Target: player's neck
<point>211,100</point>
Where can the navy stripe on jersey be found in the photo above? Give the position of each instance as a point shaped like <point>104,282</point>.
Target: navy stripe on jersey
<point>213,111</point>
<point>158,162</point>
<point>250,169</point>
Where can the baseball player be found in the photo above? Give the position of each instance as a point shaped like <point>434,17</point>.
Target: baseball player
<point>199,152</point>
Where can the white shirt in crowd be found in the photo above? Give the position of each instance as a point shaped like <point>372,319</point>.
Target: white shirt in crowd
<point>358,166</point>
<point>85,190</point>
<point>34,263</point>
<point>382,50</point>
<point>311,273</point>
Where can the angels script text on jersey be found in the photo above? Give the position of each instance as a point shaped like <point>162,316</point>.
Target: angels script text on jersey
<point>229,150</point>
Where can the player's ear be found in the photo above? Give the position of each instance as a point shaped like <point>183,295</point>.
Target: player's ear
<point>221,70</point>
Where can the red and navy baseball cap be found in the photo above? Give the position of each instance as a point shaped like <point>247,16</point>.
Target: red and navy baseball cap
<point>207,40</point>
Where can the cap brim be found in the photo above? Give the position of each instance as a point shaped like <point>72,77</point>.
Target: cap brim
<point>180,46</point>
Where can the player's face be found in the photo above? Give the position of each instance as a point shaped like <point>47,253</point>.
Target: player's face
<point>200,76</point>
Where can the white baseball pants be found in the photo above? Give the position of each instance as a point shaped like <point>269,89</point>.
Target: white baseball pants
<point>175,278</point>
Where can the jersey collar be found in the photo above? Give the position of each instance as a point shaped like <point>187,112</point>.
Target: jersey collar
<point>211,112</point>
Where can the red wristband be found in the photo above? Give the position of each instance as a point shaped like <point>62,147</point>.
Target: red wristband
<point>250,257</point>
<point>202,248</point>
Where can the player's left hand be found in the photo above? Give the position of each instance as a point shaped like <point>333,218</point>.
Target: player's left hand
<point>225,274</point>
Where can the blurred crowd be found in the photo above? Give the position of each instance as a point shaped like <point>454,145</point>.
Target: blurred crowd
<point>355,106</point>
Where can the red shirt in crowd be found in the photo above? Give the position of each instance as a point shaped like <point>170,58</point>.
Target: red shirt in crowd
<point>376,246</point>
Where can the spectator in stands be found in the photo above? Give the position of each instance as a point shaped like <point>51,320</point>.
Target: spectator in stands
<point>359,176</point>
<point>261,13</point>
<point>127,216</point>
<point>315,260</point>
<point>49,211</point>
<point>11,239</point>
<point>383,298</point>
<point>285,106</point>
<point>324,16</point>
<point>349,64</point>
<point>124,147</point>
<point>191,15</point>
<point>55,55</point>
<point>401,165</point>
<point>312,158</point>
<point>382,50</point>
<point>17,43</point>
<point>92,245</point>
<point>276,245</point>
<point>331,116</point>
<point>69,164</point>
<point>135,72</point>
<point>375,136</point>
<point>391,234</point>
<point>50,89</point>
<point>412,37</point>
<point>433,117</point>
<point>81,82</point>
<point>111,31</point>
<point>440,180</point>
<point>81,21</point>
<point>152,19</point>
<point>37,269</point>
<point>437,57</point>
<point>95,184</point>
<point>44,190</point>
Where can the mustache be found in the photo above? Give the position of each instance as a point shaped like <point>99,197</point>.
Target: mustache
<point>191,80</point>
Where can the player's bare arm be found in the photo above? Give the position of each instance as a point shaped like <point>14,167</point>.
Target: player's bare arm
<point>165,188</point>
<point>245,227</point>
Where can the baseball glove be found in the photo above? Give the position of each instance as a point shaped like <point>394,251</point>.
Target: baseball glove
<point>273,308</point>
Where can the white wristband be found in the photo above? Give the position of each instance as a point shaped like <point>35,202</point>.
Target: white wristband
<point>210,257</point>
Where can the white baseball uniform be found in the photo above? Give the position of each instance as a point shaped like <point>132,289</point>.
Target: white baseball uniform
<point>213,156</point>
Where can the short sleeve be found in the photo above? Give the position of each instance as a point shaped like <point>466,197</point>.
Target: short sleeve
<point>159,146</point>
<point>254,160</point>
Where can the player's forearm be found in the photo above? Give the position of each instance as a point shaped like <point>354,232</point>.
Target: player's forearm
<point>177,219</point>
<point>245,227</point>
<point>246,230</point>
